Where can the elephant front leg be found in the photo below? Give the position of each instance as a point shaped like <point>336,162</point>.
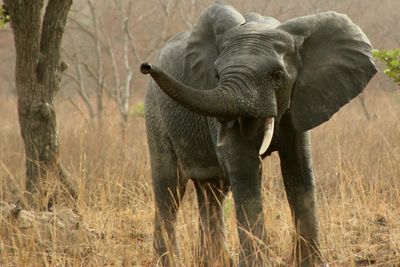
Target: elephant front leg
<point>306,244</point>
<point>246,189</point>
<point>295,155</point>
<point>210,196</point>
<point>242,165</point>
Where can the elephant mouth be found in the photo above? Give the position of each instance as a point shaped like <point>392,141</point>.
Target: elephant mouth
<point>268,133</point>
<point>267,136</point>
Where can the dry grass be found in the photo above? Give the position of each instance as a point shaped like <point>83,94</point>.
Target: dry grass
<point>356,163</point>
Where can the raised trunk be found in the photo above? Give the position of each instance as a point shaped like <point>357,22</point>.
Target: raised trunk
<point>218,102</point>
<point>38,73</point>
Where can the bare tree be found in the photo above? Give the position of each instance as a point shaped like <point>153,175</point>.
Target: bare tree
<point>38,72</point>
<point>80,81</point>
<point>121,91</point>
<point>99,64</point>
<point>115,54</point>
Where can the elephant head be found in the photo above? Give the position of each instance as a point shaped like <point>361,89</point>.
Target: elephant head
<point>253,67</point>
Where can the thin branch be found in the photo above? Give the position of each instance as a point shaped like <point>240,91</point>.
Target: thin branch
<point>187,17</point>
<point>91,72</point>
<point>78,108</point>
<point>82,28</point>
<point>117,81</point>
<point>80,79</point>
<point>100,67</point>
<point>55,17</point>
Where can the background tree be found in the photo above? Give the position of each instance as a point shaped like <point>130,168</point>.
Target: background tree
<point>4,16</point>
<point>38,72</point>
<point>108,31</point>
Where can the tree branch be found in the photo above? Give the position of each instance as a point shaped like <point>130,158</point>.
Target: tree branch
<point>54,21</point>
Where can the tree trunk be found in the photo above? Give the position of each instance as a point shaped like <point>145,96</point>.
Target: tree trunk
<point>38,74</point>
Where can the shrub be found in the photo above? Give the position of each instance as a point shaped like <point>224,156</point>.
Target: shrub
<point>392,60</point>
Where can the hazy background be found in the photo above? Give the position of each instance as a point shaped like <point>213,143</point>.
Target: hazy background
<point>152,22</point>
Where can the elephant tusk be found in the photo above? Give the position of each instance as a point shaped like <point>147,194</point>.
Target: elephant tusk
<point>268,133</point>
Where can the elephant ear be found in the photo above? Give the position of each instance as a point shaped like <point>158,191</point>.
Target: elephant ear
<point>203,44</point>
<point>336,66</point>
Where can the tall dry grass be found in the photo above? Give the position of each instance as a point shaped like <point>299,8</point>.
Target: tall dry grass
<point>356,163</point>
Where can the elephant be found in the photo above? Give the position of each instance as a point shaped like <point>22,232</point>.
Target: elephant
<point>228,93</point>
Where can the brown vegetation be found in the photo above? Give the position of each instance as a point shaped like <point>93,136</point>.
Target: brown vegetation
<point>356,163</point>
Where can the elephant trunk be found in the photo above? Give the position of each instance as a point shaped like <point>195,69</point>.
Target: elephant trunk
<point>216,102</point>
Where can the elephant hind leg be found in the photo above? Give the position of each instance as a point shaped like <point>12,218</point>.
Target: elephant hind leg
<point>210,197</point>
<point>169,188</point>
<point>168,185</point>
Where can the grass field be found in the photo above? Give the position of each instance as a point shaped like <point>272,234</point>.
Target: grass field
<point>356,162</point>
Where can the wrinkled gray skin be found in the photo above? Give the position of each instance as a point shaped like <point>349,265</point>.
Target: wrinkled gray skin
<point>219,83</point>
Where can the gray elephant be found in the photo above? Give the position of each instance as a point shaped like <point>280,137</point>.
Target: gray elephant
<point>233,90</point>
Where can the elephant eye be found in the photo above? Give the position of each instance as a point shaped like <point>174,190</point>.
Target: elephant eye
<point>217,75</point>
<point>277,75</point>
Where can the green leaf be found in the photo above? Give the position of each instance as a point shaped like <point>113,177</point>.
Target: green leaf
<point>4,16</point>
<point>137,110</point>
<point>376,53</point>
<point>392,60</point>
<point>394,63</point>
